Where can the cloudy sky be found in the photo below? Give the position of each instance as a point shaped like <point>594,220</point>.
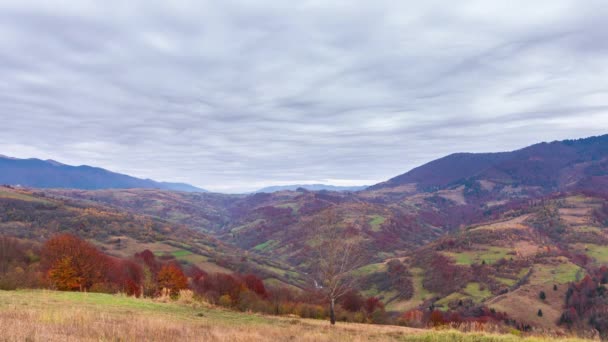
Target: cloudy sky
<point>232,96</point>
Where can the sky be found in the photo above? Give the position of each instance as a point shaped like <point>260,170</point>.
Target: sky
<point>233,96</point>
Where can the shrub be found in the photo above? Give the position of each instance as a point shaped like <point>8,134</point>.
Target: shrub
<point>225,300</point>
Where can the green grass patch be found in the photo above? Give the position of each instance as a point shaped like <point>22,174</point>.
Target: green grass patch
<point>181,253</point>
<point>472,291</point>
<point>376,222</point>
<point>263,247</point>
<point>561,274</point>
<point>490,255</point>
<point>41,299</point>
<point>420,293</point>
<point>369,269</point>
<point>476,293</point>
<point>450,298</point>
<point>597,252</point>
<point>506,281</point>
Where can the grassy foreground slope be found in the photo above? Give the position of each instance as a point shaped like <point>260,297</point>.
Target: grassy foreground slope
<point>39,315</point>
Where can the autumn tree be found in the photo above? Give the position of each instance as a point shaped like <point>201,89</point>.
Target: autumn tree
<point>336,253</point>
<point>64,276</point>
<point>71,263</point>
<point>256,285</point>
<point>126,275</point>
<point>172,277</point>
<point>352,301</point>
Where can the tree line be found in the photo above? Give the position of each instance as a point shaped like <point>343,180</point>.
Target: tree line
<point>66,262</point>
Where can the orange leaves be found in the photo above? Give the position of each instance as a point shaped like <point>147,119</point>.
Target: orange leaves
<point>173,278</point>
<point>64,275</point>
<point>71,263</point>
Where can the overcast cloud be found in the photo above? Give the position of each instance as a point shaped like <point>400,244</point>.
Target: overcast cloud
<point>232,96</point>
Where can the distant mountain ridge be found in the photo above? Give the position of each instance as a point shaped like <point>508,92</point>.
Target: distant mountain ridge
<point>558,165</point>
<point>39,173</point>
<point>311,187</point>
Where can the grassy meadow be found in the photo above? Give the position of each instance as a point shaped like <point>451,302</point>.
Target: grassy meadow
<point>40,315</point>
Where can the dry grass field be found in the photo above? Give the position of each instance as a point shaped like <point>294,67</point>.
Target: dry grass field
<point>36,315</point>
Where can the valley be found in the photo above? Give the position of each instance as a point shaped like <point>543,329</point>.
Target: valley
<point>465,233</point>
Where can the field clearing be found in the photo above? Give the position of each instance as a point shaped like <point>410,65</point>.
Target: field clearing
<point>265,246</point>
<point>128,247</point>
<point>369,269</point>
<point>524,303</point>
<point>597,252</point>
<point>40,315</point>
<point>420,293</point>
<point>22,196</point>
<point>515,223</point>
<point>472,291</point>
<point>561,271</point>
<point>454,195</point>
<point>489,254</point>
<point>375,222</point>
<point>526,249</point>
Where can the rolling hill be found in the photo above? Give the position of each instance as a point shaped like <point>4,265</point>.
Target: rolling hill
<point>392,217</point>
<point>545,167</point>
<point>463,231</point>
<point>35,216</point>
<point>38,173</point>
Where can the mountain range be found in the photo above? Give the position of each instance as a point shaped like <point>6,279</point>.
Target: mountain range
<point>38,173</point>
<point>467,229</point>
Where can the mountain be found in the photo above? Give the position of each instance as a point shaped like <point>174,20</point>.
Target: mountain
<point>492,229</point>
<point>555,166</point>
<point>392,218</point>
<point>38,173</point>
<point>310,187</point>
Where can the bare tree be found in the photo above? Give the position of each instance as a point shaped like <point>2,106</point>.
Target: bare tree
<point>337,254</point>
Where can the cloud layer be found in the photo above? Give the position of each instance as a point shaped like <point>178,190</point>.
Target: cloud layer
<point>232,96</point>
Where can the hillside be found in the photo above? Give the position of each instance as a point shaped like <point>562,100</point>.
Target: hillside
<point>275,224</point>
<point>38,173</point>
<point>544,167</point>
<point>391,218</point>
<point>491,235</point>
<point>64,316</point>
<point>504,264</point>
<point>33,216</point>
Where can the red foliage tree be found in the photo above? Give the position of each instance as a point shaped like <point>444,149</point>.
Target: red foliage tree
<point>372,304</point>
<point>172,277</point>
<point>256,285</point>
<point>195,273</point>
<point>126,275</point>
<point>71,263</point>
<point>352,301</point>
<point>149,259</point>
<point>436,318</point>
